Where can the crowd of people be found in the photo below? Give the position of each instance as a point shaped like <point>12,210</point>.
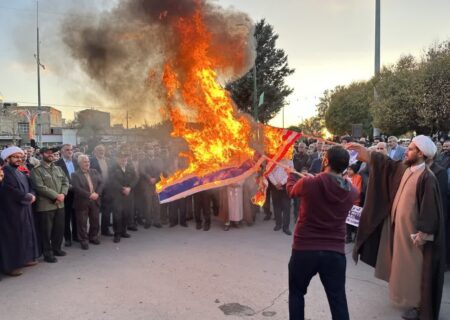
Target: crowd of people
<point>53,197</point>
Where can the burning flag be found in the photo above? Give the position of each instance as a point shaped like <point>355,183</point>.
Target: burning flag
<point>178,55</point>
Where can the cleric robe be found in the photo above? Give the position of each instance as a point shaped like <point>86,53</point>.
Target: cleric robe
<point>375,248</point>
<point>18,241</point>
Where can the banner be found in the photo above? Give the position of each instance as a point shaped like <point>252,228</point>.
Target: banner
<point>354,216</point>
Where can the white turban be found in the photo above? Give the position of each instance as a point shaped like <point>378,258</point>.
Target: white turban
<point>6,153</point>
<point>426,145</point>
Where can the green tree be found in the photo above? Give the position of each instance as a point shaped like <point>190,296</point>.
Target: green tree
<point>271,71</point>
<point>434,114</point>
<point>349,105</point>
<point>399,90</point>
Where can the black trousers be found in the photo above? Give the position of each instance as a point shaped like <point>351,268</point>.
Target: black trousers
<point>91,213</point>
<point>447,232</point>
<point>281,207</point>
<point>106,209</point>
<point>330,266</point>
<point>267,204</point>
<point>70,222</point>
<point>121,214</point>
<point>51,224</point>
<point>202,205</point>
<point>177,211</point>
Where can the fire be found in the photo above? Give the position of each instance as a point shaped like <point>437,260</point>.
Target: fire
<point>273,139</point>
<point>201,110</point>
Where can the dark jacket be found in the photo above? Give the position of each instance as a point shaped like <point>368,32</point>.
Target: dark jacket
<point>61,163</point>
<point>80,188</point>
<point>96,166</point>
<point>442,177</point>
<point>301,161</point>
<point>384,181</point>
<point>117,179</point>
<point>316,166</point>
<point>326,201</point>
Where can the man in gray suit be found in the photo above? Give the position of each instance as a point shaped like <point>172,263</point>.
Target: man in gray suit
<point>395,152</point>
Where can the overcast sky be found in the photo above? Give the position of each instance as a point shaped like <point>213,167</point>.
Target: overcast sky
<point>328,42</point>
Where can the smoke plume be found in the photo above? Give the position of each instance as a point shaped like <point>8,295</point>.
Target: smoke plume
<point>123,50</point>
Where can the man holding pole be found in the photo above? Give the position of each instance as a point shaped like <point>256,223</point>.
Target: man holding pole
<point>319,236</point>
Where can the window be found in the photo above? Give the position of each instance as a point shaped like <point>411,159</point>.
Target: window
<point>24,128</point>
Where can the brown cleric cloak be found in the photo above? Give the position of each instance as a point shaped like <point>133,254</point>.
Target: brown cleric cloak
<point>384,179</point>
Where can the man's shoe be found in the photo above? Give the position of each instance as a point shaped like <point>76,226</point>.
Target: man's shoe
<point>68,243</point>
<point>157,225</point>
<point>84,245</point>
<point>266,218</point>
<point>16,272</point>
<point>172,225</point>
<point>132,228</point>
<point>411,314</point>
<point>288,232</point>
<point>198,226</point>
<point>277,228</point>
<point>125,235</point>
<point>116,238</point>
<point>95,241</point>
<point>226,227</point>
<point>59,253</point>
<point>184,225</point>
<point>206,227</point>
<point>107,233</point>
<point>147,225</point>
<point>31,263</point>
<point>50,259</point>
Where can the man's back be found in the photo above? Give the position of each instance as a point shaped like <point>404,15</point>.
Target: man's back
<point>326,201</point>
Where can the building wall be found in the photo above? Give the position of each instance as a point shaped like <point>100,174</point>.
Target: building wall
<point>94,119</point>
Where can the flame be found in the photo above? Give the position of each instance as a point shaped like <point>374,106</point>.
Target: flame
<point>273,139</point>
<point>200,109</point>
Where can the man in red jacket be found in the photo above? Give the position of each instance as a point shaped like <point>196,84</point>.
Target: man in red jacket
<point>319,236</point>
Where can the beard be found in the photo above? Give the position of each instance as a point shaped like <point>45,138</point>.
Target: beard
<point>411,162</point>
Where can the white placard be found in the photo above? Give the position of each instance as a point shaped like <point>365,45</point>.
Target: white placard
<point>353,216</point>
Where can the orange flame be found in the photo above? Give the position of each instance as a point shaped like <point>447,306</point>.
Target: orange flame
<point>201,110</point>
<point>273,139</point>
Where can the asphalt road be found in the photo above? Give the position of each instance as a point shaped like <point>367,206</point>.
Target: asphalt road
<point>178,273</point>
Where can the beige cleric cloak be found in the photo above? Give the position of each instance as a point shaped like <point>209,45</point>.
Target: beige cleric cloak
<point>384,180</point>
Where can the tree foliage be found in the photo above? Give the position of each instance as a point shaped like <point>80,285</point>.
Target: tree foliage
<point>411,95</point>
<point>349,105</point>
<point>435,111</point>
<point>399,90</point>
<point>271,71</point>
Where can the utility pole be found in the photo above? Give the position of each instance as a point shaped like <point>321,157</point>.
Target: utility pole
<point>377,37</point>
<point>38,64</point>
<point>128,132</point>
<point>255,94</point>
<point>376,131</point>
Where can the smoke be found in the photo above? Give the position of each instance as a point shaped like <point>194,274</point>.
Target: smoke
<point>123,50</point>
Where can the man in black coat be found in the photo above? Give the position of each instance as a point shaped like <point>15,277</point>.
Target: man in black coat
<point>68,166</point>
<point>87,187</point>
<point>18,241</point>
<point>122,179</point>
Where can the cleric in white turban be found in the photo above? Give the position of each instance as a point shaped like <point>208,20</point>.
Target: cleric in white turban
<point>426,145</point>
<point>18,241</point>
<point>6,153</point>
<point>402,228</point>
